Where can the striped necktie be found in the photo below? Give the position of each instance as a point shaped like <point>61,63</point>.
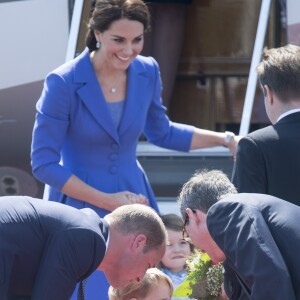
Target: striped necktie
<point>82,284</point>
<point>81,290</point>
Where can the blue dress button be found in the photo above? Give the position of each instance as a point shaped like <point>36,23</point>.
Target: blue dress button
<point>113,169</point>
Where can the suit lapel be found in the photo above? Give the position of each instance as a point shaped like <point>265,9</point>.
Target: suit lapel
<point>136,87</point>
<point>92,96</point>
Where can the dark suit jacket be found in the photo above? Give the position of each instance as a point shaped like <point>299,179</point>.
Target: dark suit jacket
<point>47,247</point>
<point>268,160</point>
<point>260,236</point>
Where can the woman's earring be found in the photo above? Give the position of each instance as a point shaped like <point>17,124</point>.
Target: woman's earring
<point>98,45</point>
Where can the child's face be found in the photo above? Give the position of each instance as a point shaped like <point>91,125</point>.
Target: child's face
<point>159,291</point>
<point>176,253</point>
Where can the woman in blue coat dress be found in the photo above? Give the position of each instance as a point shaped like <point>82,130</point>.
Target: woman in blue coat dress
<point>94,108</point>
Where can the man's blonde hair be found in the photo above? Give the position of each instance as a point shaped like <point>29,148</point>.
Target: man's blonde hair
<point>140,290</point>
<point>139,219</point>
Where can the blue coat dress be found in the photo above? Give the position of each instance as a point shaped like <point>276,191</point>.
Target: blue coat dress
<point>74,133</point>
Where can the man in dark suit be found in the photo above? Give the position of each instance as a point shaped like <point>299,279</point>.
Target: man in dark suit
<point>47,247</point>
<point>256,236</point>
<point>268,160</point>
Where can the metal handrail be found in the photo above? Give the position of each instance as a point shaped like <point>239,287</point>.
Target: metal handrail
<point>252,82</point>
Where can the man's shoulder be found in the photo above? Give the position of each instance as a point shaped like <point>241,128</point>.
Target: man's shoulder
<point>243,200</point>
<point>262,133</point>
<point>260,138</point>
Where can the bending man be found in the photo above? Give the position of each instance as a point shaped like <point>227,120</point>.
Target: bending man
<point>47,247</point>
<point>256,236</point>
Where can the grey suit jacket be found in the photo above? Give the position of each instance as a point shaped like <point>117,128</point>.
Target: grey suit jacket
<point>260,236</point>
<point>47,247</point>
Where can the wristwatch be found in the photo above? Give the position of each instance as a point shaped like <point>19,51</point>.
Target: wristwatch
<point>228,137</point>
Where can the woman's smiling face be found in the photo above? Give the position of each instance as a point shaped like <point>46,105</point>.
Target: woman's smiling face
<point>121,43</point>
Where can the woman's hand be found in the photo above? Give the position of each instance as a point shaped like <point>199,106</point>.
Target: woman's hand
<point>125,197</point>
<point>232,145</point>
<point>80,190</point>
<point>203,138</point>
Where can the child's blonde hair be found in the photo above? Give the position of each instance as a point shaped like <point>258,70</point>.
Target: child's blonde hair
<point>139,290</point>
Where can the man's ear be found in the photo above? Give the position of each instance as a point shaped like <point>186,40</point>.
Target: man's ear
<point>189,212</point>
<point>263,87</point>
<point>192,214</point>
<point>268,94</point>
<point>139,242</point>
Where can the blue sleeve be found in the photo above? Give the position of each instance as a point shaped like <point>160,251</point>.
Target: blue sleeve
<point>51,125</point>
<point>159,130</point>
<point>243,235</point>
